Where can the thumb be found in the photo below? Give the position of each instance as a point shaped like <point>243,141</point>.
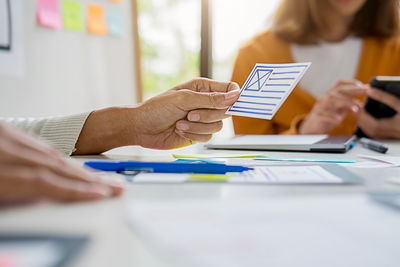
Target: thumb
<point>189,100</point>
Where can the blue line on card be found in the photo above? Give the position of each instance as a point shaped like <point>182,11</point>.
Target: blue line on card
<point>248,102</point>
<point>238,107</point>
<point>258,81</point>
<point>254,71</point>
<point>278,79</point>
<point>268,97</point>
<point>282,67</point>
<point>277,84</point>
<point>258,113</point>
<point>272,97</point>
<point>286,72</point>
<point>270,91</point>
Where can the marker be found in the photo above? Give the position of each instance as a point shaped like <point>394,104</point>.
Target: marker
<point>373,145</point>
<point>164,167</point>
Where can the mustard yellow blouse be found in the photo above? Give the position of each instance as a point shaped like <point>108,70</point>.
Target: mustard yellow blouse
<point>378,57</point>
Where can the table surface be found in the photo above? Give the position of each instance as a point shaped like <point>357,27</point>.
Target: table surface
<point>115,243</point>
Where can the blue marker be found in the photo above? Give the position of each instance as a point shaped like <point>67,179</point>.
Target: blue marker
<point>164,167</point>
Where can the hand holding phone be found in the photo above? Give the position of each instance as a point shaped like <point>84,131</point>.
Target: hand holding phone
<point>380,117</point>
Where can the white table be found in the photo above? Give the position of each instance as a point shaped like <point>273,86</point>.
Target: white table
<point>115,243</point>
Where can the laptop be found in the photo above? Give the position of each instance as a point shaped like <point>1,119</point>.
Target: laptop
<point>303,143</point>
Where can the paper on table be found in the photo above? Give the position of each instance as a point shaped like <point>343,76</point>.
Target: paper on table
<point>287,174</point>
<point>387,159</point>
<point>96,22</point>
<point>376,162</point>
<point>165,178</point>
<point>215,156</point>
<point>266,89</point>
<point>262,175</point>
<point>325,160</point>
<point>72,15</point>
<point>48,14</point>
<point>327,231</point>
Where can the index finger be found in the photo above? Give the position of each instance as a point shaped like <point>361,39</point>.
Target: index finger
<point>206,85</point>
<point>353,90</point>
<point>386,98</point>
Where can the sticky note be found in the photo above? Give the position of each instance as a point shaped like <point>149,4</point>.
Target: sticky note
<point>266,89</point>
<point>115,21</point>
<point>210,177</point>
<point>215,156</point>
<point>72,15</point>
<point>96,22</point>
<point>48,14</point>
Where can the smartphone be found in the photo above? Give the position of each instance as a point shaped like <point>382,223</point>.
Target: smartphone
<point>389,84</point>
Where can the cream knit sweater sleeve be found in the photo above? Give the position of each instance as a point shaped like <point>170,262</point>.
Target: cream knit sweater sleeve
<point>61,132</point>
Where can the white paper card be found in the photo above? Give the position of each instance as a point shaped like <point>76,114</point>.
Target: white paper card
<point>266,89</point>
<point>287,175</point>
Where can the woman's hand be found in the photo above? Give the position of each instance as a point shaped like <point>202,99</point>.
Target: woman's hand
<point>385,128</point>
<point>333,107</point>
<point>30,170</point>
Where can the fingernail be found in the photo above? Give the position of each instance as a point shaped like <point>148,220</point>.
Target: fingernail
<point>231,94</point>
<point>102,190</point>
<point>194,117</point>
<point>182,126</point>
<point>355,108</point>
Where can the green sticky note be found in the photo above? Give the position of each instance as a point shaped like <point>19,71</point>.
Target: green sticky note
<point>210,177</point>
<point>214,156</point>
<point>72,15</point>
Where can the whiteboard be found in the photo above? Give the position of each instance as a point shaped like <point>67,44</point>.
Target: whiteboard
<point>68,72</point>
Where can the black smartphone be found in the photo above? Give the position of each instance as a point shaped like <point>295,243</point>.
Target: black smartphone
<point>389,84</point>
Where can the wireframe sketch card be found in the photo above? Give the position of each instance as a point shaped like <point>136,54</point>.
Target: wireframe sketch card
<point>266,89</point>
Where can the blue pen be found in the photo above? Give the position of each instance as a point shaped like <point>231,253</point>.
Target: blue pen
<point>163,167</point>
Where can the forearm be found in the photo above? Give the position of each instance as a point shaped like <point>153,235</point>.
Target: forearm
<point>61,132</point>
<point>106,129</point>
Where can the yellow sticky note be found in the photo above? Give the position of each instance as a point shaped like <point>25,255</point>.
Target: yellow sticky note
<point>215,156</point>
<point>210,177</point>
<point>96,22</point>
<point>72,15</point>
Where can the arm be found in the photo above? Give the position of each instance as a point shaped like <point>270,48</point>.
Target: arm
<point>186,114</point>
<point>60,132</point>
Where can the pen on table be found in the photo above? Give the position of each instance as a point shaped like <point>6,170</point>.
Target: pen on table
<point>164,167</point>
<point>373,145</point>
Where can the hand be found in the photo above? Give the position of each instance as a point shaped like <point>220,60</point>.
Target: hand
<point>333,107</point>
<point>30,170</point>
<point>384,128</point>
<point>188,113</point>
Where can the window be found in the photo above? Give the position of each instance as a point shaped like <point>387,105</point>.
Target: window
<point>169,33</point>
<point>235,22</point>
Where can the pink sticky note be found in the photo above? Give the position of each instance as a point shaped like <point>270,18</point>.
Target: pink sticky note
<point>48,14</point>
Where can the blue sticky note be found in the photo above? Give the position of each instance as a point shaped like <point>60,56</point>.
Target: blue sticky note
<point>115,21</point>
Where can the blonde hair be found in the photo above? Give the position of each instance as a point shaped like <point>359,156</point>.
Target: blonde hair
<point>298,21</point>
